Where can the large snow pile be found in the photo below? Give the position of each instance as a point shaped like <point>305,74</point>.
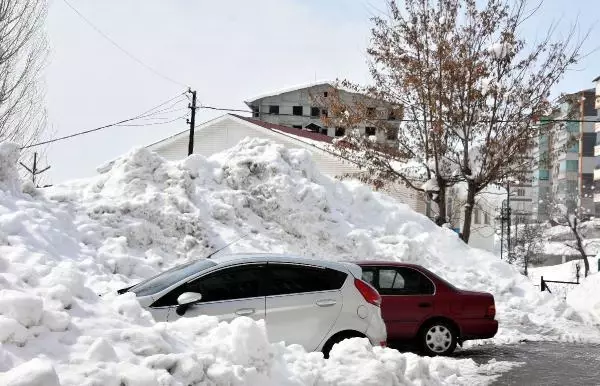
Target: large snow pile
<point>584,297</point>
<point>64,251</point>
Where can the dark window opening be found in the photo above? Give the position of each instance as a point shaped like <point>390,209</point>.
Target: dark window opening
<point>274,110</point>
<point>324,113</point>
<point>369,130</point>
<point>587,185</point>
<point>589,141</point>
<point>255,111</point>
<point>325,94</point>
<point>370,112</point>
<point>297,126</point>
<point>314,111</point>
<point>226,284</point>
<point>297,110</point>
<point>313,127</point>
<point>286,279</point>
<point>392,134</point>
<point>324,131</point>
<point>340,131</point>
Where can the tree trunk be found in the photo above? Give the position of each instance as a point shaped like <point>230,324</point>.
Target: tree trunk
<point>465,233</point>
<point>580,248</point>
<point>441,203</point>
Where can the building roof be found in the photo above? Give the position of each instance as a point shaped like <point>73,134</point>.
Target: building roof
<point>288,130</point>
<point>596,79</point>
<point>290,89</point>
<point>297,134</point>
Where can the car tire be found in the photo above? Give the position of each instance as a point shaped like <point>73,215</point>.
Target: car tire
<point>337,339</point>
<point>438,338</point>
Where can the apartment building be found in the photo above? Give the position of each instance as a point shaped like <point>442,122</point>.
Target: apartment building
<point>565,157</point>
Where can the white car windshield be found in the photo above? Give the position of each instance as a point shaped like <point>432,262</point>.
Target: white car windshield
<point>166,279</point>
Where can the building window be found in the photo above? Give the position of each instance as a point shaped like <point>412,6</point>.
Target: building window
<point>486,218</point>
<point>476,216</point>
<point>325,94</point>
<point>369,130</point>
<point>391,115</point>
<point>255,111</point>
<point>520,192</point>
<point>340,131</point>
<point>324,113</point>
<point>324,131</point>
<point>572,165</point>
<point>392,134</point>
<point>297,110</point>
<point>370,112</point>
<point>314,112</point>
<point>297,126</point>
<point>587,185</point>
<point>274,110</point>
<point>589,141</point>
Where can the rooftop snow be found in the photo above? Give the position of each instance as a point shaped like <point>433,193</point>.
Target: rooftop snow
<point>290,89</point>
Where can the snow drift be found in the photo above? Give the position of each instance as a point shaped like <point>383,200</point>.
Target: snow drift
<point>64,251</point>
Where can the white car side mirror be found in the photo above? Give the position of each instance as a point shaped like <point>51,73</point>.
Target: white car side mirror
<point>188,298</point>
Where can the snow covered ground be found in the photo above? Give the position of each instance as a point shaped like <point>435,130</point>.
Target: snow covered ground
<point>65,250</point>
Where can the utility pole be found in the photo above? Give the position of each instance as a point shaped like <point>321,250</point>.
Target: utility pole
<point>192,121</point>
<point>508,220</point>
<point>34,170</point>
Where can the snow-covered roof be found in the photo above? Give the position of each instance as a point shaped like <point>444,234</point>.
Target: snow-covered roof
<point>290,89</point>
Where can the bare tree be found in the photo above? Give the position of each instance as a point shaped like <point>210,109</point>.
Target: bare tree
<point>471,87</point>
<point>528,244</point>
<point>569,212</point>
<point>22,56</point>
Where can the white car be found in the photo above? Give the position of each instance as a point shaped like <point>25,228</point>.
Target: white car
<point>303,301</point>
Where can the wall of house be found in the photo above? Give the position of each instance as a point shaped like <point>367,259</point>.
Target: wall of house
<point>227,133</point>
<point>483,226</point>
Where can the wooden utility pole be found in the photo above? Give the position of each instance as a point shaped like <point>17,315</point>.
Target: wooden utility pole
<point>192,121</point>
<point>34,170</point>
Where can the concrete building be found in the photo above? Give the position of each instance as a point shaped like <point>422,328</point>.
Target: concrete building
<point>565,157</point>
<point>302,107</point>
<point>597,148</point>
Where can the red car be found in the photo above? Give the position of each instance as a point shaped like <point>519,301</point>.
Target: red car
<point>421,307</point>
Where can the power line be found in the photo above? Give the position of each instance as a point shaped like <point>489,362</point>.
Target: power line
<point>145,114</point>
<point>153,124</point>
<point>120,48</point>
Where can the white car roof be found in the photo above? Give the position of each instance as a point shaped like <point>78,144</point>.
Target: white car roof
<point>237,258</point>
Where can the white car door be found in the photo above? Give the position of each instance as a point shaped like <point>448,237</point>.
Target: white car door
<point>302,303</point>
<point>227,293</point>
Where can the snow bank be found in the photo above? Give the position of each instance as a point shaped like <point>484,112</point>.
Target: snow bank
<point>584,297</point>
<point>65,250</point>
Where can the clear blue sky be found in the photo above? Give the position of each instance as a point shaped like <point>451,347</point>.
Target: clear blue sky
<point>228,51</point>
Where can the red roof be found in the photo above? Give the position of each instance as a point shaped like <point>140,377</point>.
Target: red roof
<point>288,130</point>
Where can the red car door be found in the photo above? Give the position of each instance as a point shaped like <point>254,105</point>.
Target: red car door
<point>407,300</point>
